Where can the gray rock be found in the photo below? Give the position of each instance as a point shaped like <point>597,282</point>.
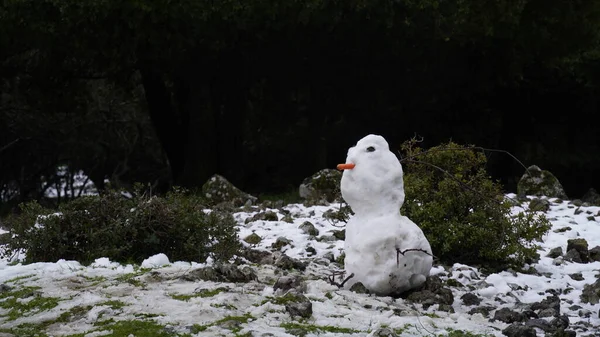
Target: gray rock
<point>322,187</point>
<point>508,316</point>
<point>287,282</point>
<point>253,239</point>
<point>298,305</point>
<point>591,293</point>
<point>257,256</point>
<point>432,292</point>
<point>308,228</point>
<point>281,242</point>
<point>540,182</point>
<point>594,253</point>
<point>224,272</point>
<point>5,288</point>
<point>576,276</point>
<point>329,256</point>
<point>263,216</point>
<point>539,205</point>
<point>339,234</point>
<point>384,332</point>
<point>484,310</point>
<point>592,197</point>
<point>560,323</point>
<point>311,251</point>
<point>573,256</point>
<point>581,246</point>
<point>470,299</point>
<point>519,330</point>
<point>217,190</point>
<point>359,288</point>
<point>555,252</point>
<point>285,262</point>
<point>547,312</point>
<point>550,302</point>
<point>540,324</point>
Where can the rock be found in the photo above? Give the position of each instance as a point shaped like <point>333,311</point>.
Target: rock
<point>280,243</point>
<point>470,299</point>
<point>578,211</point>
<point>311,251</point>
<point>560,323</point>
<point>576,276</point>
<point>540,182</point>
<point>548,312</point>
<point>329,256</point>
<point>285,262</point>
<point>592,197</point>
<point>359,288</point>
<point>594,253</point>
<point>322,187</point>
<point>581,246</point>
<point>217,190</point>
<point>383,332</point>
<point>432,292</point>
<point>519,330</point>
<point>562,230</point>
<point>257,256</point>
<point>591,293</point>
<point>224,272</point>
<point>253,239</point>
<point>508,316</point>
<point>264,216</point>
<point>308,228</point>
<point>573,256</point>
<point>555,252</point>
<point>484,311</point>
<point>539,205</point>
<point>563,333</point>
<point>550,302</point>
<point>339,234</point>
<point>297,304</point>
<point>540,324</point>
<point>5,288</point>
<point>287,282</point>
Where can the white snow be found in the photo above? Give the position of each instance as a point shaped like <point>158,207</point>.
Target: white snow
<point>152,295</point>
<point>157,260</point>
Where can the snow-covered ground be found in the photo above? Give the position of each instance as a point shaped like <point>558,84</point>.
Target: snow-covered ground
<point>161,298</point>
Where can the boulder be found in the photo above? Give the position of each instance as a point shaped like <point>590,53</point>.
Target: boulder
<point>540,182</point>
<point>592,197</point>
<point>219,190</point>
<point>322,187</point>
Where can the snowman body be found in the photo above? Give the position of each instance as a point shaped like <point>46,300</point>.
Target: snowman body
<point>386,252</point>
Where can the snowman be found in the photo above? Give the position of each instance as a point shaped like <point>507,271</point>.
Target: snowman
<point>385,251</point>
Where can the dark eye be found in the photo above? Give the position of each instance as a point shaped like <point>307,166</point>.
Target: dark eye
<point>370,149</point>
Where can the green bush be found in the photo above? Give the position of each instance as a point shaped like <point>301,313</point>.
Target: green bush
<point>462,211</point>
<point>123,229</point>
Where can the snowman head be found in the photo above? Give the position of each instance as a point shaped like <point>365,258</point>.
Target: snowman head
<point>372,182</point>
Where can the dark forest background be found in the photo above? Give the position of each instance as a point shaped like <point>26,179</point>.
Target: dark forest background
<point>266,93</point>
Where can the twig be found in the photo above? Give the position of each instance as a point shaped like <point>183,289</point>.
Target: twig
<point>9,144</point>
<point>398,252</point>
<point>331,278</point>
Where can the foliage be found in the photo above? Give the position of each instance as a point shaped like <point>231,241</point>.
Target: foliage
<point>174,92</point>
<point>462,211</point>
<point>123,229</point>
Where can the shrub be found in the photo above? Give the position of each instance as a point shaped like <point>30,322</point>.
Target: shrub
<point>123,229</point>
<point>462,211</point>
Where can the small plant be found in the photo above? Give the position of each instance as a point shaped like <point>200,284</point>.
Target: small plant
<point>462,211</point>
<point>123,229</point>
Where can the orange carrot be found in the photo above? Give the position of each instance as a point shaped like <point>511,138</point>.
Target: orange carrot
<point>342,167</point>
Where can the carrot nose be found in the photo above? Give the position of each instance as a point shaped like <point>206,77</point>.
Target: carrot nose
<point>348,166</point>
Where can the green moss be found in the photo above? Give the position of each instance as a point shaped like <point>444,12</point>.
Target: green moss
<point>198,328</point>
<point>202,293</point>
<point>69,316</point>
<point>317,329</point>
<point>27,330</point>
<point>19,278</point>
<point>224,306</point>
<point>25,301</point>
<point>136,328</point>
<point>461,333</point>
<point>131,279</point>
<point>113,304</point>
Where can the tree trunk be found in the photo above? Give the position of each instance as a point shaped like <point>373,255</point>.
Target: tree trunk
<point>166,120</point>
